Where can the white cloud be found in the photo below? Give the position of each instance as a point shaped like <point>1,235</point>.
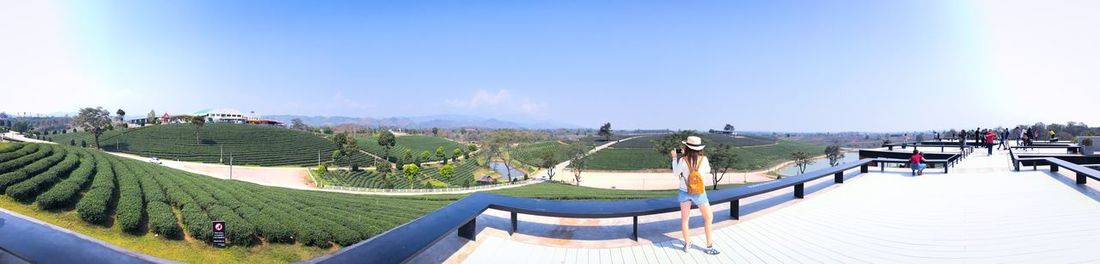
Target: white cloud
<point>500,100</point>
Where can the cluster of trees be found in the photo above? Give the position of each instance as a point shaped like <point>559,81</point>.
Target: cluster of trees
<point>345,147</point>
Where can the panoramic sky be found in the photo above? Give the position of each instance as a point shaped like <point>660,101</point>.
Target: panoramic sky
<point>760,65</point>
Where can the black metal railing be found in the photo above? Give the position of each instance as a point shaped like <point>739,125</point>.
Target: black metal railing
<point>405,242</point>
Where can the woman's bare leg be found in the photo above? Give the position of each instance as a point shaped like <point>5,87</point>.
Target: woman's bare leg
<point>685,215</point>
<point>707,218</point>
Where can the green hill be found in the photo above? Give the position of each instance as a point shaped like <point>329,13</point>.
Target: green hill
<point>249,144</point>
<point>166,213</point>
<point>370,179</point>
<point>528,154</point>
<point>414,143</point>
<point>748,158</point>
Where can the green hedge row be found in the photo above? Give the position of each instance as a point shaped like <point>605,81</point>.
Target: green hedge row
<point>29,189</point>
<point>131,202</point>
<point>13,151</point>
<point>141,196</point>
<point>27,156</point>
<point>36,167</point>
<point>64,193</point>
<point>94,206</point>
<point>161,219</point>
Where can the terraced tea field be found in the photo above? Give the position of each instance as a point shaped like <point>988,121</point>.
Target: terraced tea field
<point>710,139</point>
<point>249,144</point>
<point>372,179</point>
<point>127,202</point>
<point>528,154</point>
<point>57,177</point>
<point>633,157</point>
<point>414,143</point>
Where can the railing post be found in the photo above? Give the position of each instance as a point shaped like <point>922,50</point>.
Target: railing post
<point>799,190</point>
<point>635,228</point>
<point>838,177</point>
<point>515,222</point>
<point>863,168</point>
<point>469,230</point>
<point>1053,167</point>
<point>1080,178</point>
<point>735,209</point>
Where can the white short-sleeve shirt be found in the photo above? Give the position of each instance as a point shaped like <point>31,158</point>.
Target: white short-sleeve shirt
<point>680,169</point>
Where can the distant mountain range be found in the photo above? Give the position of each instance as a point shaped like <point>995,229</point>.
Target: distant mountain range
<point>440,121</point>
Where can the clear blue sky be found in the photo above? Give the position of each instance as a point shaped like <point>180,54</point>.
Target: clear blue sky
<point>760,65</point>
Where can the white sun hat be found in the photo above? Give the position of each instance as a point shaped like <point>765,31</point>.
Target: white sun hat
<point>694,142</point>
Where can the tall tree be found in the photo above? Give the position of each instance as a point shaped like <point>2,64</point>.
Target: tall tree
<point>578,160</point>
<point>151,118</point>
<point>93,120</point>
<point>121,115</point>
<point>666,143</point>
<point>425,156</point>
<point>801,160</point>
<point>605,131</point>
<point>387,140</point>
<point>408,157</point>
<point>547,159</point>
<point>411,171</point>
<point>446,172</point>
<point>729,128</point>
<point>435,131</point>
<point>457,152</point>
<point>441,154</point>
<point>198,121</point>
<point>297,123</point>
<point>834,154</point>
<point>499,143</point>
<point>721,160</point>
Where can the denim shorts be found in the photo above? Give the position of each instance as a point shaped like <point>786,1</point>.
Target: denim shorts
<point>918,166</point>
<point>697,199</point>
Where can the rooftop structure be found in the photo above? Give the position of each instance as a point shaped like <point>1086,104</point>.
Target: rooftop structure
<point>984,210</point>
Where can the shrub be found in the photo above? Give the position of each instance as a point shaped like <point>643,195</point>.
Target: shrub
<point>64,193</point>
<point>27,190</point>
<point>36,167</point>
<point>131,203</point>
<point>93,207</point>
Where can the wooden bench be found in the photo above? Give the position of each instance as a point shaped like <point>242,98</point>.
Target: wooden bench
<point>1069,148</point>
<point>951,158</point>
<point>946,163</point>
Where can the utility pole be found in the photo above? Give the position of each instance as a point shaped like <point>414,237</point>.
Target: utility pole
<point>230,166</point>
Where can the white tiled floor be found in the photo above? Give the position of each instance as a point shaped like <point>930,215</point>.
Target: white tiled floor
<point>980,213</point>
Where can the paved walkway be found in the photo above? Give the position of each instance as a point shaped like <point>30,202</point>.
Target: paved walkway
<point>980,213</point>
<point>23,238</point>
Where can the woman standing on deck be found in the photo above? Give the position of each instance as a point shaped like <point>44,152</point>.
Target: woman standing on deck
<point>689,164</point>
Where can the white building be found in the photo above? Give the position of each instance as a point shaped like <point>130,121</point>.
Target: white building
<point>222,115</point>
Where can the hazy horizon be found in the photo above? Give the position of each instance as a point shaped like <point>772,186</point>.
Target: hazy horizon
<point>771,66</point>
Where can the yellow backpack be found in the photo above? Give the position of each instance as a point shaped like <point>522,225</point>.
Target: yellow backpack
<point>694,180</point>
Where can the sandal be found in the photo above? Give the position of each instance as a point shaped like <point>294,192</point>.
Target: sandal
<point>686,247</point>
<point>710,250</point>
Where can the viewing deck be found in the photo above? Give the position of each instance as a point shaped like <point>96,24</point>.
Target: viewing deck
<point>981,212</point>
